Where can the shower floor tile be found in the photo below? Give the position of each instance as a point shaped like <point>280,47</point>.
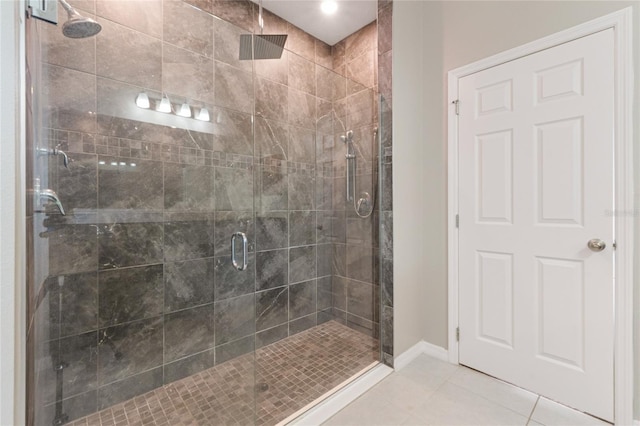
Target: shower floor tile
<point>286,376</point>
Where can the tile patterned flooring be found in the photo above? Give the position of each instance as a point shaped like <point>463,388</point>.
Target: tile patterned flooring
<point>297,369</point>
<point>432,392</point>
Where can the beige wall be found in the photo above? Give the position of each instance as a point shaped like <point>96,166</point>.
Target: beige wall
<point>431,38</point>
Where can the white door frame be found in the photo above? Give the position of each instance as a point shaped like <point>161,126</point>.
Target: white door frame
<point>621,22</point>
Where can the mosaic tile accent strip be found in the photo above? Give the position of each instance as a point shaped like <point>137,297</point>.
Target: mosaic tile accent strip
<point>290,374</point>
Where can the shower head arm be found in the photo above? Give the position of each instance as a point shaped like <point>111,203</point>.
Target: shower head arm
<point>70,10</point>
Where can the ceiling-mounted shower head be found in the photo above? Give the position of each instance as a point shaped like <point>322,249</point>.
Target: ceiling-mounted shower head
<point>78,26</point>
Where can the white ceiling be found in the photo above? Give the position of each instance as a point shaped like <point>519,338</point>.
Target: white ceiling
<point>306,14</point>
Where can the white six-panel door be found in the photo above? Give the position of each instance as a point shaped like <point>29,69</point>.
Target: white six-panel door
<point>535,185</point>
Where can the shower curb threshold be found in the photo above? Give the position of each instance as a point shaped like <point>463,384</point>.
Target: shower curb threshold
<point>326,406</point>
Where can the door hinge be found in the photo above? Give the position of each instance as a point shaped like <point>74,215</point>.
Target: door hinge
<point>457,104</point>
<point>614,244</point>
<point>457,334</point>
<point>457,221</point>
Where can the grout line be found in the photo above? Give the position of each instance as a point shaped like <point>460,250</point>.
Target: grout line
<point>533,410</point>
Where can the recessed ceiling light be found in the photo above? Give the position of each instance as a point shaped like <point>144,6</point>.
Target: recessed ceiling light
<point>329,7</point>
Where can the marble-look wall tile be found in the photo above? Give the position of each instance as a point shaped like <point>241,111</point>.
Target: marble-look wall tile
<point>271,230</point>
<point>229,282</point>
<point>324,194</point>
<point>301,192</point>
<point>302,264</point>
<point>340,260</point>
<point>300,42</point>
<point>78,355</point>
<point>234,349</point>
<point>323,54</point>
<point>228,223</point>
<point>271,307</point>
<point>234,318</point>
<point>70,99</point>
<point>197,37</point>
<point>188,236</point>
<point>324,260</point>
<point>129,349</point>
<point>188,284</point>
<point>122,390</point>
<point>272,269</point>
<point>276,70</point>
<point>360,299</point>
<point>188,366</point>
<point>129,56</point>
<point>302,74</point>
<point>74,407</point>
<point>361,70</point>
<point>76,186</point>
<point>386,236</point>
<point>339,292</point>
<point>361,41</point>
<point>360,109</point>
<point>385,75</point>
<point>57,50</point>
<point>364,326</point>
<point>130,294</point>
<point>233,88</point>
<point>385,18</point>
<point>142,15</point>
<point>332,227</point>
<point>124,187</point>
<point>271,190</point>
<point>362,231</point>
<point>128,244</point>
<point>188,188</point>
<point>72,248</point>
<point>233,189</point>
<point>187,75</point>
<point>329,84</point>
<point>227,42</point>
<point>338,55</point>
<point>271,100</point>
<point>387,282</point>
<point>188,332</point>
<point>362,263</point>
<point>238,12</point>
<point>272,335</point>
<point>234,133</point>
<point>387,188</point>
<point>302,109</point>
<point>271,139</point>
<point>325,294</point>
<point>302,299</point>
<point>302,228</point>
<point>73,303</point>
<point>387,330</point>
<point>302,145</point>
<point>303,323</point>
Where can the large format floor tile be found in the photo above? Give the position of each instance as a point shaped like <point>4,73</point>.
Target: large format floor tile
<point>432,392</point>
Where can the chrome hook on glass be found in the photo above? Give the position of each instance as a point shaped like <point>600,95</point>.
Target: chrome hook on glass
<point>245,251</point>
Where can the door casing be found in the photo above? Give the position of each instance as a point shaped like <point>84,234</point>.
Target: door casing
<point>621,22</point>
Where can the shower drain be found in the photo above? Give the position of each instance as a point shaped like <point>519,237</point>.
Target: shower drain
<point>262,387</point>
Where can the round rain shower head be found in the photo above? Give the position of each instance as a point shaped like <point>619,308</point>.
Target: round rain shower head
<point>80,27</point>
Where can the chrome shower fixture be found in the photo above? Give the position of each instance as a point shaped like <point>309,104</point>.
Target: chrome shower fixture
<point>365,199</point>
<point>78,26</point>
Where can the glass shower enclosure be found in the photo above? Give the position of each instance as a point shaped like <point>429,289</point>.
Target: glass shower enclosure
<point>202,231</point>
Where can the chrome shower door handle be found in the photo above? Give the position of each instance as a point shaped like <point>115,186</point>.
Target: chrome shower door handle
<point>245,251</point>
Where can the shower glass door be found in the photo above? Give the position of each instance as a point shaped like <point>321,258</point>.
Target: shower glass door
<point>143,137</point>
<point>153,152</point>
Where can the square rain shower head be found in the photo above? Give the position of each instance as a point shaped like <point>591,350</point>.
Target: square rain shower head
<point>268,46</point>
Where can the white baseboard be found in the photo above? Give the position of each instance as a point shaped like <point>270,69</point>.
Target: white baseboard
<point>325,407</point>
<point>418,349</point>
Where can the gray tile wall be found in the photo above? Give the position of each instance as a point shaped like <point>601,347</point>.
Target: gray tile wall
<point>140,290</point>
<point>385,14</point>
